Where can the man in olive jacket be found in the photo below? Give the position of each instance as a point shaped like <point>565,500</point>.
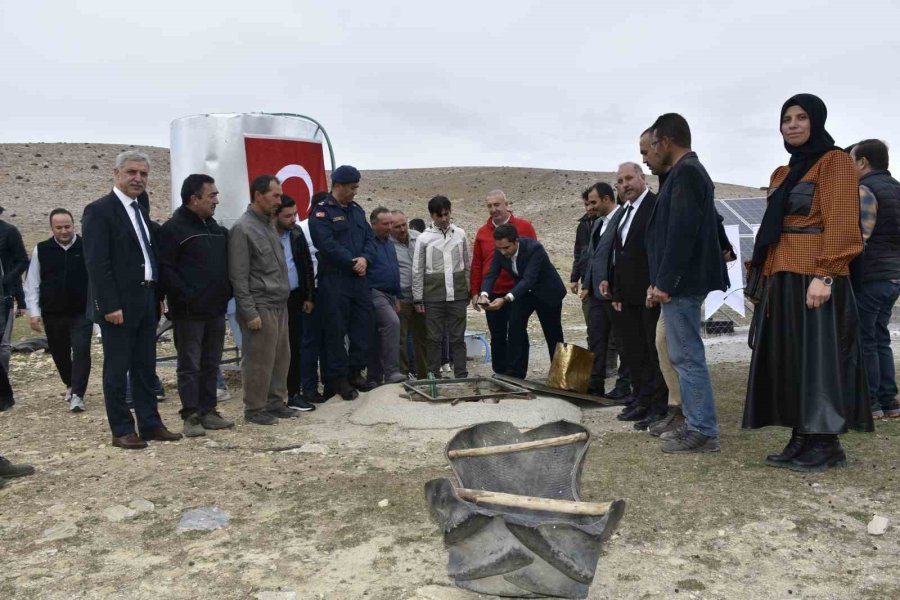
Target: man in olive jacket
<point>193,265</point>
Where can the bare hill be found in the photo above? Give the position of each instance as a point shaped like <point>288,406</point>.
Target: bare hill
<point>35,178</point>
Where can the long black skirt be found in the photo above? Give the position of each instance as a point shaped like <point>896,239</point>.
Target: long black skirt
<point>807,369</point>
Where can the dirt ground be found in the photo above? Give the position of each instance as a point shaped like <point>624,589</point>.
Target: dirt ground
<point>306,522</point>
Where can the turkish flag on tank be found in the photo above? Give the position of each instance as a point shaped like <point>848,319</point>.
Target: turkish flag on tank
<point>298,164</point>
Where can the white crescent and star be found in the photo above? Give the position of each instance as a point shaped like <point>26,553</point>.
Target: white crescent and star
<point>288,171</point>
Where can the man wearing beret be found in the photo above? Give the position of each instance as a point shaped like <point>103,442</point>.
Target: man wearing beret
<point>346,247</point>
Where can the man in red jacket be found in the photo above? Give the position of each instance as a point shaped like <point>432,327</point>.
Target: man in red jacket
<point>498,320</point>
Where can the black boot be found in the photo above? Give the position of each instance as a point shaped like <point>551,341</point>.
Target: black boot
<point>343,387</point>
<point>6,403</point>
<point>359,382</point>
<point>794,448</point>
<point>822,452</point>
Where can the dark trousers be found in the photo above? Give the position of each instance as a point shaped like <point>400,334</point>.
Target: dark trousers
<point>875,301</point>
<point>637,326</point>
<point>498,325</point>
<point>603,341</point>
<point>295,339</point>
<point>69,340</point>
<point>199,346</point>
<point>346,305</point>
<point>551,324</point>
<point>312,348</point>
<point>131,347</point>
<point>446,319</point>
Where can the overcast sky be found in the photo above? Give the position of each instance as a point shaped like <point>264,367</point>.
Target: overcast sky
<point>566,85</point>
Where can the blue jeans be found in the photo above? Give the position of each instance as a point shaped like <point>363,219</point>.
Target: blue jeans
<point>875,301</point>
<point>688,358</point>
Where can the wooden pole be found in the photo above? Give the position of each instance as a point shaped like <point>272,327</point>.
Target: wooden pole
<point>569,507</point>
<point>507,448</point>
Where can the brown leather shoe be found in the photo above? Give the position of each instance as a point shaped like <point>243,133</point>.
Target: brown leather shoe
<point>161,434</point>
<point>130,441</point>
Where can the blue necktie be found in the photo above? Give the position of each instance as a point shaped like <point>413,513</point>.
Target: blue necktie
<point>140,221</point>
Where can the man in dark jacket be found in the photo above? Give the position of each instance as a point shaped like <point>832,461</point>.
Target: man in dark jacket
<point>879,287</point>
<point>193,265</point>
<point>538,287</point>
<point>56,289</point>
<point>14,262</point>
<point>686,263</point>
<point>300,300</point>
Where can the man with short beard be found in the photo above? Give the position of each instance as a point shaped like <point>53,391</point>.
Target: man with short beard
<point>258,273</point>
<point>411,322</point>
<point>686,263</point>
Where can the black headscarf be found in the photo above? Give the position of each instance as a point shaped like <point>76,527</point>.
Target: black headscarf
<point>802,159</point>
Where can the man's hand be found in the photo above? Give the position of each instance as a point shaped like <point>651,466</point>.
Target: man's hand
<point>582,294</point>
<point>19,312</point>
<point>729,255</point>
<point>475,300</point>
<point>604,289</point>
<point>574,287</point>
<point>397,305</point>
<point>617,306</point>
<point>308,306</point>
<point>496,304</point>
<point>817,294</point>
<point>420,308</point>
<point>255,324</point>
<point>658,296</point>
<point>359,266</point>
<point>116,318</point>
<point>36,324</point>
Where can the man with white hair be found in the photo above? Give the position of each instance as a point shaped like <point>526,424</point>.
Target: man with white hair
<point>120,256</point>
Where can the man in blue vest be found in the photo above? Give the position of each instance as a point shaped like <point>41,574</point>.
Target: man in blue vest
<point>880,285</point>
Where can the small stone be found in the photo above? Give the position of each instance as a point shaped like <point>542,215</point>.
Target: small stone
<point>276,596</point>
<point>118,513</point>
<point>384,503</point>
<point>59,532</point>
<point>142,505</point>
<point>206,518</point>
<point>878,525</point>
<point>310,448</point>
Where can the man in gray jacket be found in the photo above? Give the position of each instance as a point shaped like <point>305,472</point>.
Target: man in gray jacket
<point>411,322</point>
<point>258,273</point>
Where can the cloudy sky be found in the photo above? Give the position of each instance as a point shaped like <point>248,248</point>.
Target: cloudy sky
<point>402,84</point>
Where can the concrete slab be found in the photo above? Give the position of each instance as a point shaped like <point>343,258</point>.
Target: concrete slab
<point>384,405</point>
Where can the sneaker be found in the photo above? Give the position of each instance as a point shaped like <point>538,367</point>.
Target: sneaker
<point>298,403</point>
<point>213,420</point>
<point>76,404</point>
<point>193,427</point>
<point>222,394</point>
<point>9,470</point>
<point>891,413</point>
<point>282,412</point>
<point>395,378</point>
<point>674,434</point>
<point>693,442</point>
<point>446,368</point>
<point>673,419</point>
<point>261,418</point>
<point>68,394</point>
<point>877,415</point>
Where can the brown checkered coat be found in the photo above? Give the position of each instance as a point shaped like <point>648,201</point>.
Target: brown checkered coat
<point>835,208</point>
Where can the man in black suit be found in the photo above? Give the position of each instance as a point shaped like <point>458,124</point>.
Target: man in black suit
<point>595,268</point>
<point>538,288</point>
<point>629,280</point>
<point>120,257</point>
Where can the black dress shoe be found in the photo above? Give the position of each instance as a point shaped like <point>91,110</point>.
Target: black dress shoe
<point>653,416</point>
<point>633,413</point>
<point>347,391</point>
<point>618,394</point>
<point>160,434</point>
<point>130,441</point>
<point>822,452</point>
<point>315,397</point>
<point>794,448</point>
<point>359,382</point>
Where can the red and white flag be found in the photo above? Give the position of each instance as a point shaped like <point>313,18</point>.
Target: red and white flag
<point>298,164</point>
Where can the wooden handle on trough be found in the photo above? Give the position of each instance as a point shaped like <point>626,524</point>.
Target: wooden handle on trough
<point>569,507</point>
<point>506,448</point>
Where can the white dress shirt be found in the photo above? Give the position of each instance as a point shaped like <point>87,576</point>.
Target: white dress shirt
<point>605,220</point>
<point>509,296</point>
<point>129,210</point>
<point>626,226</point>
<point>33,280</point>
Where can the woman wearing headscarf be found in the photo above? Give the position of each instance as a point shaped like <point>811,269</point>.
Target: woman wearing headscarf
<point>806,372</point>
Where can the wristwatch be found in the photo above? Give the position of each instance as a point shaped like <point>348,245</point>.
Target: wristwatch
<point>828,280</point>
